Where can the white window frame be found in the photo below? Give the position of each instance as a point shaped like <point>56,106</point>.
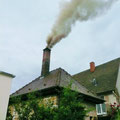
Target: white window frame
<point>102,112</point>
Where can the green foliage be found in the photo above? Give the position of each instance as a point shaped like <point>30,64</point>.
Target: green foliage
<point>9,115</point>
<point>118,116</point>
<point>69,108</point>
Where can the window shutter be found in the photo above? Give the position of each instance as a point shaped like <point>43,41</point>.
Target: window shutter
<point>103,107</point>
<point>98,108</point>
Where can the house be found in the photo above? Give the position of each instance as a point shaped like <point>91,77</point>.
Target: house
<point>49,81</point>
<point>57,79</point>
<point>104,80</point>
<point>5,86</point>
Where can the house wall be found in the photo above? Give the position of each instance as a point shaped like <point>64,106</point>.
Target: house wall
<point>118,81</point>
<point>51,99</point>
<point>110,99</point>
<point>45,101</point>
<point>54,99</point>
<point>5,86</point>
<point>92,108</point>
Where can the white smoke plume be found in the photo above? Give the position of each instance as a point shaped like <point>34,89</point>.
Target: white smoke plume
<point>76,10</point>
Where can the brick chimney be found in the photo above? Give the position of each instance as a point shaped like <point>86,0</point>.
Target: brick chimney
<point>92,66</point>
<point>45,62</point>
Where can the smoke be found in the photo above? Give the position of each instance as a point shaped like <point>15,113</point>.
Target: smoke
<point>76,10</point>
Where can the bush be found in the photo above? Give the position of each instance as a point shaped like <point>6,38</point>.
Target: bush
<point>69,108</point>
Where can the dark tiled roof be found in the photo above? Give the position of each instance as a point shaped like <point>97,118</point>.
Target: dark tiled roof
<point>7,74</point>
<point>102,80</point>
<point>57,77</point>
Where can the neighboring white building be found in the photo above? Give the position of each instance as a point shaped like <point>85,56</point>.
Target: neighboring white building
<point>5,87</point>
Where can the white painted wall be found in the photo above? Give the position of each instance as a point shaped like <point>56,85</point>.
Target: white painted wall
<point>118,81</point>
<point>5,86</point>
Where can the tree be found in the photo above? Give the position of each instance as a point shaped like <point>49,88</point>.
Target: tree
<point>69,107</point>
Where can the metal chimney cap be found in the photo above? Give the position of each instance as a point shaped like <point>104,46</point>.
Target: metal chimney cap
<point>47,49</point>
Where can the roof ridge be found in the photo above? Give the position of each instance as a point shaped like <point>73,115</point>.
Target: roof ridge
<point>87,90</point>
<point>38,78</point>
<point>59,76</point>
<point>99,65</point>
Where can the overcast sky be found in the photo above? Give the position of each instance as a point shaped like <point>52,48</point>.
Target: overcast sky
<point>25,25</point>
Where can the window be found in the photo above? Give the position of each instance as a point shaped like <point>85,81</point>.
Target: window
<point>94,82</point>
<point>101,109</point>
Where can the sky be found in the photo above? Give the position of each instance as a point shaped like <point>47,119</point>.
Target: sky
<point>25,25</point>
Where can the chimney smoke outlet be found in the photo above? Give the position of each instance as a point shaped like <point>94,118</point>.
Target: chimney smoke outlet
<point>92,66</point>
<point>45,62</point>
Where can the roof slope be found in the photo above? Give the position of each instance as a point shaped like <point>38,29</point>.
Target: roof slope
<point>57,77</point>
<point>102,80</point>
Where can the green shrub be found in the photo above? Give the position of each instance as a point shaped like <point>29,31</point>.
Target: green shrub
<point>69,108</point>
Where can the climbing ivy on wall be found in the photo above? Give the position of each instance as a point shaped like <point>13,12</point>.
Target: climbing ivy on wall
<point>69,107</point>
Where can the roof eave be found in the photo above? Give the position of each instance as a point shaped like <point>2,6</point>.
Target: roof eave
<point>7,74</point>
<point>93,98</point>
<point>46,90</point>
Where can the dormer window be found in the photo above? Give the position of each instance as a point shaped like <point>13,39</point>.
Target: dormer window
<point>94,82</point>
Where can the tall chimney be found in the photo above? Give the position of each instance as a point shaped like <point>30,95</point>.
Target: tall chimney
<point>45,62</point>
<point>92,66</point>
